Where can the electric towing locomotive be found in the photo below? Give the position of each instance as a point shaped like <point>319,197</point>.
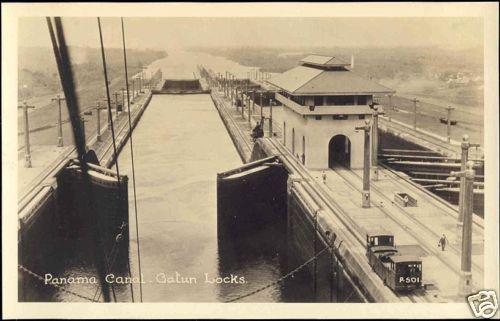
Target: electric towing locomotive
<point>399,272</point>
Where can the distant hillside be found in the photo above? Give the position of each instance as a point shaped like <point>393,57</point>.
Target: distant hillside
<point>450,75</point>
<point>38,72</point>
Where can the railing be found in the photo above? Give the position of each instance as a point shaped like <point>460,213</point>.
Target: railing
<point>324,109</point>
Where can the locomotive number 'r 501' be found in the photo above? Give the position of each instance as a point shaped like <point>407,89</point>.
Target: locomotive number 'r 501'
<point>409,279</point>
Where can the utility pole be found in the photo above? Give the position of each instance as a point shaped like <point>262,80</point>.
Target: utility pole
<point>143,77</point>
<point>270,118</point>
<point>249,110</point>
<point>375,143</point>
<point>233,88</point>
<point>116,102</point>
<point>225,85</point>
<point>253,100</point>
<point>448,123</point>
<point>242,104</point>
<point>465,285</point>
<point>98,113</point>
<point>27,152</point>
<point>261,112</point>
<point>133,89</point>
<point>246,97</point>
<point>83,121</point>
<point>366,165</point>
<point>123,99</point>
<point>230,88</point>
<point>415,100</point>
<point>390,102</point>
<point>59,135</point>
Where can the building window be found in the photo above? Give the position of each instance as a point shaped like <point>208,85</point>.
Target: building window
<point>340,100</point>
<point>361,116</point>
<point>339,117</point>
<point>362,100</point>
<point>318,100</point>
<point>317,117</point>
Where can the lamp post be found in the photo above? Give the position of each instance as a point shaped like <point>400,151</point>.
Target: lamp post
<point>375,143</point>
<point>415,100</point>
<point>27,152</point>
<point>143,77</point>
<point>233,88</point>
<point>261,111</point>
<point>225,85</point>
<point>270,118</point>
<point>242,104</point>
<point>98,113</point>
<point>249,110</point>
<point>253,100</point>
<point>463,164</point>
<point>366,165</point>
<point>467,190</point>
<point>83,121</point>
<point>116,102</point>
<point>123,99</point>
<point>59,135</point>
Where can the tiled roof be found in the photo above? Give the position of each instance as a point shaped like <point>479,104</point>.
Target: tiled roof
<point>327,61</point>
<point>304,80</point>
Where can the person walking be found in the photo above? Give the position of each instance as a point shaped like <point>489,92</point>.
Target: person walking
<point>324,177</point>
<point>442,242</point>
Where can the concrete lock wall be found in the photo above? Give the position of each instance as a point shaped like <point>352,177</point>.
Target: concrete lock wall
<point>305,239</point>
<point>64,227</point>
<point>317,135</point>
<point>42,230</point>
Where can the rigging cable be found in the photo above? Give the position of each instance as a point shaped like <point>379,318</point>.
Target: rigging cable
<point>66,75</point>
<point>110,116</point>
<point>133,170</point>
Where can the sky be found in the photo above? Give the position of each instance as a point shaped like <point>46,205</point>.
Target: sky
<point>166,33</point>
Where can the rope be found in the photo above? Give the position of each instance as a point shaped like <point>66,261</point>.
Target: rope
<point>133,171</point>
<point>350,295</point>
<point>281,278</point>
<point>110,120</point>
<point>42,279</point>
<point>113,254</point>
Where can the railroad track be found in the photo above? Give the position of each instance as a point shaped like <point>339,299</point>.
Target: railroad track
<point>476,220</point>
<point>345,220</point>
<point>350,176</point>
<point>442,145</point>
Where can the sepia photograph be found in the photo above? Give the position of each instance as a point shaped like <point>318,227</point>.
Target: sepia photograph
<point>310,160</point>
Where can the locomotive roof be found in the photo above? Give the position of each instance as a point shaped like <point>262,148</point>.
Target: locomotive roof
<point>378,248</point>
<point>405,258</point>
<point>378,232</point>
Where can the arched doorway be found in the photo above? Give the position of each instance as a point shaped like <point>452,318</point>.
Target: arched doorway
<point>339,151</point>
